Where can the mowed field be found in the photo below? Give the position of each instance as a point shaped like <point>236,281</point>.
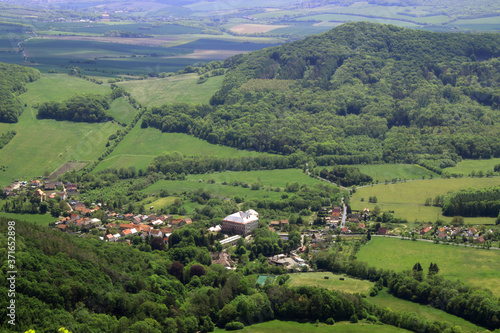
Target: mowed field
<point>174,89</point>
<point>44,145</point>
<point>478,267</point>
<point>317,279</point>
<point>407,199</point>
<point>384,299</point>
<point>277,326</point>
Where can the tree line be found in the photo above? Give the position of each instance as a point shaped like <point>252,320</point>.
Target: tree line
<point>472,202</point>
<point>345,175</point>
<point>13,80</point>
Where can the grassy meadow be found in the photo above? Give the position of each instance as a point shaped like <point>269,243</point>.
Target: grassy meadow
<point>465,167</point>
<point>270,179</point>
<point>381,172</point>
<point>193,183</point>
<point>141,145</point>
<point>317,279</point>
<point>384,299</point>
<point>277,326</point>
<point>42,146</point>
<point>407,199</point>
<point>174,89</point>
<point>478,267</point>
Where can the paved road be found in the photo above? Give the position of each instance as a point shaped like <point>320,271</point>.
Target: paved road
<point>432,241</point>
<point>344,215</point>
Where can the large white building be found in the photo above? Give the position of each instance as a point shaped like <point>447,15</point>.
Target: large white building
<point>241,222</point>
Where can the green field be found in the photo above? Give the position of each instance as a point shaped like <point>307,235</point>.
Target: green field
<point>58,87</point>
<point>141,145</point>
<point>381,172</point>
<point>384,299</point>
<point>277,326</point>
<point>407,199</point>
<point>269,178</point>
<point>42,146</point>
<point>317,279</point>
<point>121,110</point>
<point>227,191</point>
<point>174,89</point>
<point>478,267</point>
<point>36,218</point>
<point>465,167</point>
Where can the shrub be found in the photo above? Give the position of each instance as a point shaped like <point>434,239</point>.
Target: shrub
<point>234,325</point>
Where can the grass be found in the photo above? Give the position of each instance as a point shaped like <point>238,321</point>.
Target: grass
<point>465,167</point>
<point>478,267</point>
<point>277,326</point>
<point>174,89</point>
<point>226,191</point>
<point>58,87</point>
<point>35,218</point>
<point>384,299</point>
<point>121,110</point>
<point>348,285</point>
<point>381,172</point>
<point>141,145</point>
<point>269,178</point>
<point>44,145</point>
<point>407,199</point>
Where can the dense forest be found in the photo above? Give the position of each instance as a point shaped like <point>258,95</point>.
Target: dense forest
<point>345,175</point>
<point>80,108</point>
<point>377,92</point>
<point>13,79</point>
<point>473,202</point>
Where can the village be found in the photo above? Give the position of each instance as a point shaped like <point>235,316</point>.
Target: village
<point>331,225</point>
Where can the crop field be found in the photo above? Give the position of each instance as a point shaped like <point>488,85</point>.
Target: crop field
<point>42,146</point>
<point>381,172</point>
<point>478,267</point>
<point>317,279</point>
<point>141,28</point>
<point>277,326</point>
<point>254,28</point>
<point>465,167</point>
<point>407,199</point>
<point>174,89</point>
<point>384,299</point>
<point>355,18</point>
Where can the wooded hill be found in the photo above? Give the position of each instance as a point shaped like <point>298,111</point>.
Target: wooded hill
<point>13,79</point>
<point>365,91</point>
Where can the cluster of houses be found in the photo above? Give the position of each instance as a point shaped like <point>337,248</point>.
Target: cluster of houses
<point>123,226</point>
<point>447,233</point>
<point>44,189</point>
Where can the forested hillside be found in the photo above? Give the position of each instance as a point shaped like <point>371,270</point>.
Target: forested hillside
<point>368,92</point>
<point>13,79</point>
